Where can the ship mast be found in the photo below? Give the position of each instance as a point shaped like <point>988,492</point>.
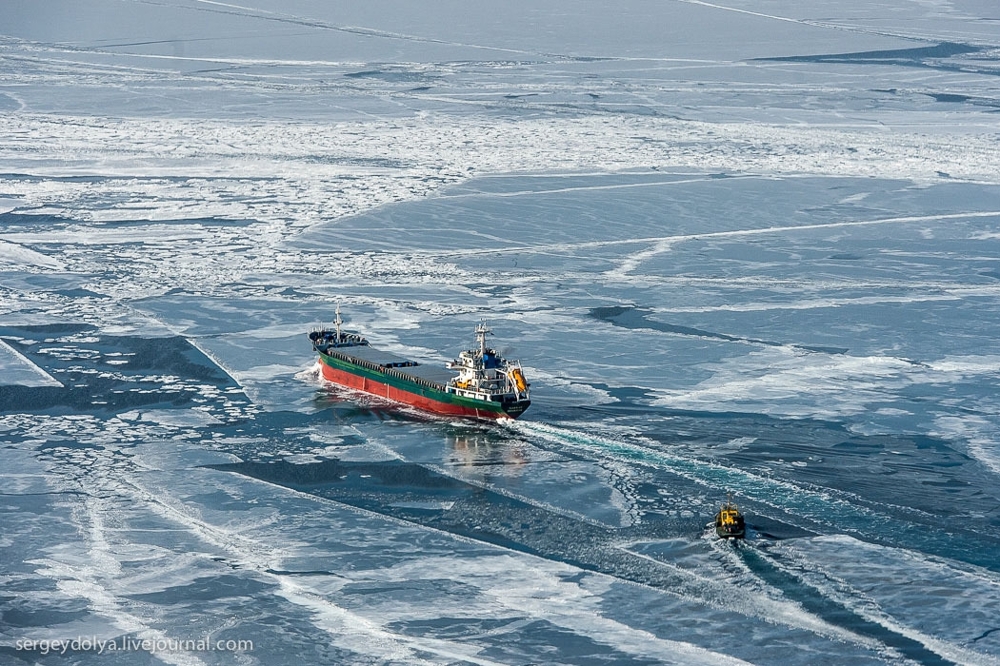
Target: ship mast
<point>339,339</point>
<point>481,332</point>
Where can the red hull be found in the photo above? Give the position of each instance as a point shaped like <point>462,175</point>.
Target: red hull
<point>383,390</point>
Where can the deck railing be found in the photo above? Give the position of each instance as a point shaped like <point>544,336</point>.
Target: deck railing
<point>387,370</point>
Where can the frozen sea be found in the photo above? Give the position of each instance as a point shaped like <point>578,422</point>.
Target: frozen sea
<point>746,247</point>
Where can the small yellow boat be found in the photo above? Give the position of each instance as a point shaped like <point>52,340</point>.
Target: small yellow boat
<point>729,522</point>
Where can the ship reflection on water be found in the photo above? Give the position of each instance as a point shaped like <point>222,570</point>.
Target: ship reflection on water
<point>479,449</point>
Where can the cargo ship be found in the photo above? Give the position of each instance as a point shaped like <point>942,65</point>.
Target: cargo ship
<point>480,383</point>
